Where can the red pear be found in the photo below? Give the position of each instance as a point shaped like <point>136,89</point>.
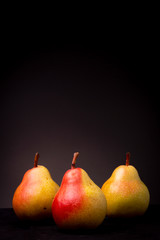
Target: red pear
<point>79,203</point>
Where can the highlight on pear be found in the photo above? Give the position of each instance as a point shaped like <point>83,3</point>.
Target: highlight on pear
<point>33,198</point>
<point>79,203</point>
<point>126,194</point>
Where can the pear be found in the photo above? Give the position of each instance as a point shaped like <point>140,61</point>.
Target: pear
<point>79,203</point>
<point>126,194</point>
<point>33,198</point>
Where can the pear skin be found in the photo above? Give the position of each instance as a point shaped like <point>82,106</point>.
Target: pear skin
<point>126,194</point>
<point>33,198</point>
<point>79,203</point>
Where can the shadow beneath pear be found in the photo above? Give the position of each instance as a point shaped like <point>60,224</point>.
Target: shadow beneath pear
<point>26,224</point>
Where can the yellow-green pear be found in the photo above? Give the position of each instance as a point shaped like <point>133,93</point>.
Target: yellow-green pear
<point>33,198</point>
<point>126,194</point>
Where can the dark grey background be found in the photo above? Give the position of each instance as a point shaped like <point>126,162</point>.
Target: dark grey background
<point>93,92</point>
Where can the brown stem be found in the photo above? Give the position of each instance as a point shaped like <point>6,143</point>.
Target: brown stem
<point>36,159</point>
<point>74,159</point>
<point>128,155</point>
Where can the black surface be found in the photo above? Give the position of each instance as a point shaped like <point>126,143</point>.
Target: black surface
<point>146,227</point>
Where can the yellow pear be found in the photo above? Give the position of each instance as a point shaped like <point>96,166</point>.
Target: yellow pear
<point>126,194</point>
<point>79,203</point>
<point>34,196</point>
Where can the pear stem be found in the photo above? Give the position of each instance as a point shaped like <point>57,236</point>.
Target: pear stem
<point>128,155</point>
<point>36,159</point>
<point>74,160</point>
